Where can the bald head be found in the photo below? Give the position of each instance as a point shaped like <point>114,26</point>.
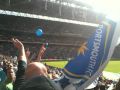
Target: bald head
<point>35,69</point>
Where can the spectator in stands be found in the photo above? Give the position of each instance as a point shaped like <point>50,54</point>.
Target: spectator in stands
<point>2,73</point>
<point>36,82</point>
<point>117,86</point>
<point>54,75</point>
<point>8,83</point>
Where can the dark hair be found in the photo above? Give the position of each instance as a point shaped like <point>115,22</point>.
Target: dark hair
<point>39,83</point>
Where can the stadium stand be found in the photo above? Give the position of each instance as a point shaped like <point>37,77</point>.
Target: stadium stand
<point>55,33</point>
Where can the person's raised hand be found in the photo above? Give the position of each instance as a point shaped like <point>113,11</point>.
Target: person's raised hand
<point>18,44</point>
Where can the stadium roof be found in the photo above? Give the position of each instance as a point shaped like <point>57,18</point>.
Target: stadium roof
<point>66,9</point>
<point>57,17</point>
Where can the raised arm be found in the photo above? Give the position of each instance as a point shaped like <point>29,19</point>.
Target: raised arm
<point>41,53</point>
<point>22,64</point>
<point>18,44</point>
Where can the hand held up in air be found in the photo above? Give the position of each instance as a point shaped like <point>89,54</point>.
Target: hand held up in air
<point>19,45</point>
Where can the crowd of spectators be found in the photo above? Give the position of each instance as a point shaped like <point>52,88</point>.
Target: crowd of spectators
<point>59,50</point>
<point>11,79</point>
<point>9,66</point>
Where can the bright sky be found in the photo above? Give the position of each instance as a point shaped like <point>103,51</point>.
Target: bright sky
<point>108,7</point>
<point>111,8</point>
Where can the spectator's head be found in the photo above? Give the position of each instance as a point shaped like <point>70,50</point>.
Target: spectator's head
<point>10,72</point>
<point>35,69</point>
<point>8,66</point>
<point>39,83</point>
